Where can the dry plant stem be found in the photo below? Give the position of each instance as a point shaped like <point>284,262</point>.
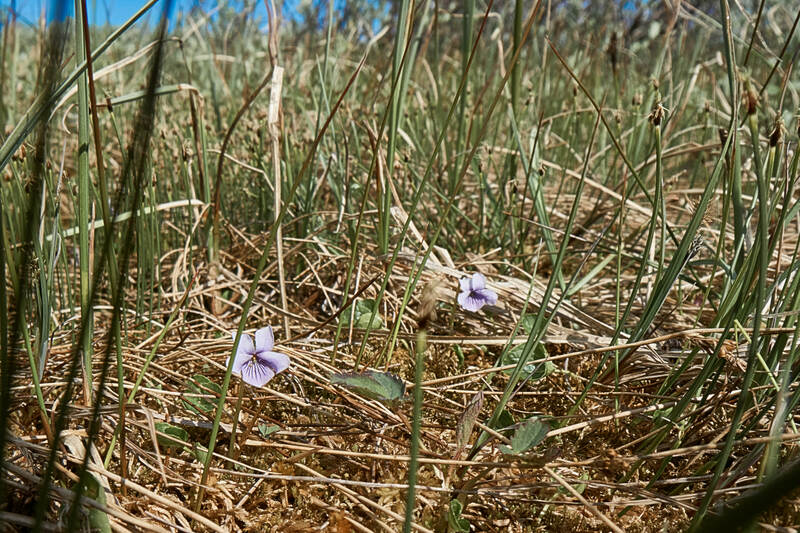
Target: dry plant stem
<point>64,494</point>
<point>167,502</point>
<point>779,59</point>
<point>591,508</point>
<point>335,315</point>
<point>274,131</point>
<point>413,464</point>
<point>361,499</point>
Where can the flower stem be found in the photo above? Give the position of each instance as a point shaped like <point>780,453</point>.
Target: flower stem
<point>232,446</point>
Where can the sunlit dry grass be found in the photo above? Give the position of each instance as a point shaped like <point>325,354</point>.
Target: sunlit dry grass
<point>598,190</point>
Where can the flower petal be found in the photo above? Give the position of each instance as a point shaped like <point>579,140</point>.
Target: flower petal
<point>265,340</point>
<point>256,374</point>
<point>469,302</point>
<point>244,352</point>
<point>240,360</point>
<point>277,362</point>
<point>245,343</point>
<point>462,299</point>
<point>466,284</point>
<point>488,295</point>
<point>478,281</point>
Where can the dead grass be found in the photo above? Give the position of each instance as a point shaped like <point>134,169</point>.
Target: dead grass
<point>338,462</point>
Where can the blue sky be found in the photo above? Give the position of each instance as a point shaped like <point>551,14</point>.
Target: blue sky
<point>103,11</point>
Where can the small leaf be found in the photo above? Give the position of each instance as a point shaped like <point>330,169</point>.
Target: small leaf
<point>173,431</point>
<point>459,355</point>
<point>199,384</point>
<point>531,370</point>
<point>364,312</point>
<point>527,435</point>
<point>363,321</point>
<point>467,420</point>
<point>526,322</point>
<point>461,525</point>
<point>372,384</point>
<point>198,451</point>
<point>268,429</point>
<point>579,488</point>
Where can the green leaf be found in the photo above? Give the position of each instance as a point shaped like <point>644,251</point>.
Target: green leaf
<point>376,385</point>
<point>579,488</point>
<point>526,323</point>
<point>661,415</point>
<point>527,435</point>
<point>201,385</point>
<point>364,312</point>
<point>363,321</point>
<point>98,520</point>
<point>461,525</point>
<point>535,370</point>
<point>268,429</point>
<point>198,451</point>
<point>504,420</point>
<point>173,431</point>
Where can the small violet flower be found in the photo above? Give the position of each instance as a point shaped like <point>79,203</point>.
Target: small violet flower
<point>258,364</point>
<point>474,293</point>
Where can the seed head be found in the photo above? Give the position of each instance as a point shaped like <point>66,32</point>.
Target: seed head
<point>428,302</point>
<point>777,132</point>
<point>750,100</point>
<point>657,114</point>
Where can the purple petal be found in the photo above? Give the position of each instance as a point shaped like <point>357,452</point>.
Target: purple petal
<point>245,343</point>
<point>277,362</point>
<point>466,284</point>
<point>255,373</point>
<point>488,295</point>
<point>478,281</point>
<point>469,302</point>
<point>265,340</point>
<point>240,360</point>
<point>244,352</point>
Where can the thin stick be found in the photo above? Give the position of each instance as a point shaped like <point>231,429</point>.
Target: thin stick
<point>592,509</point>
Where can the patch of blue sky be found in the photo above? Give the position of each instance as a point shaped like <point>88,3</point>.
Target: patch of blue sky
<point>106,12</point>
<point>115,12</point>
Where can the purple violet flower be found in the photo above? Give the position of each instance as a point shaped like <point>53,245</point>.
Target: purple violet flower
<point>474,293</point>
<point>258,364</point>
